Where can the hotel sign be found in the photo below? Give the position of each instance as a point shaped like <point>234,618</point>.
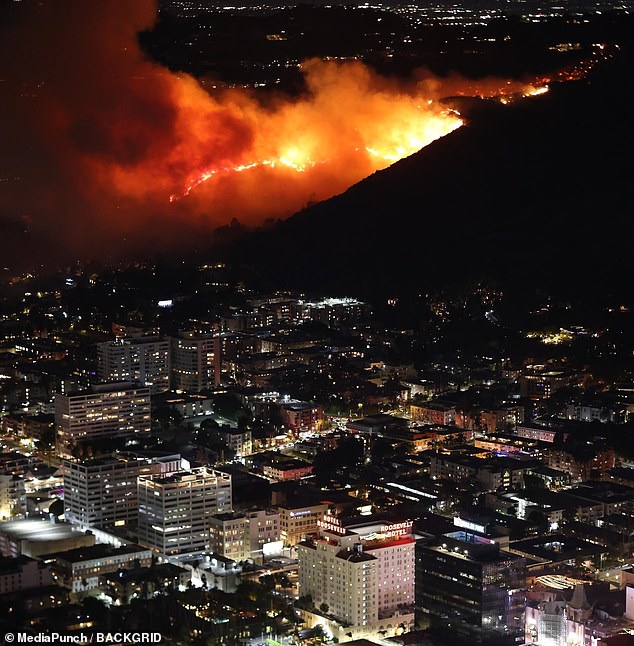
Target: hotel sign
<point>397,529</point>
<point>331,524</point>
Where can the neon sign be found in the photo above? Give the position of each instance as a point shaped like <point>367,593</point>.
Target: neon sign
<point>397,529</point>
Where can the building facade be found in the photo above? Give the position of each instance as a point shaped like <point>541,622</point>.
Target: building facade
<point>145,360</point>
<point>102,493</point>
<point>79,570</point>
<point>491,473</point>
<point>12,496</point>
<point>23,573</point>
<point>194,366</point>
<point>302,416</point>
<point>251,535</point>
<point>230,536</point>
<point>434,413</point>
<point>104,411</point>
<point>467,586</point>
<point>362,574</point>
<point>175,510</point>
<point>237,440</point>
<point>297,521</point>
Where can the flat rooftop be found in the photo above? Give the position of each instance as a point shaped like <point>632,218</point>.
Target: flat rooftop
<point>95,552</point>
<point>556,547</point>
<point>41,530</point>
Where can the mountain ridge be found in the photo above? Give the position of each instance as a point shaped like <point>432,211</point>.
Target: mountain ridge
<point>533,174</point>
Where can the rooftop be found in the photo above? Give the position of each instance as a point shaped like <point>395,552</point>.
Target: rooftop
<point>154,573</point>
<point>41,530</point>
<point>229,515</point>
<point>108,387</point>
<point>355,556</point>
<point>556,547</point>
<point>194,475</point>
<point>95,552</point>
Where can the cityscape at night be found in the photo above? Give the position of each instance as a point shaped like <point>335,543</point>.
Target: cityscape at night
<point>316,322</point>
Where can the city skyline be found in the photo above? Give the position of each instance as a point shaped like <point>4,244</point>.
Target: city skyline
<point>316,324</point>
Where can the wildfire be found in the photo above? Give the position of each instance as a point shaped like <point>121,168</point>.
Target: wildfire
<point>292,160</point>
<point>411,123</point>
<point>404,141</point>
<point>406,132</point>
<point>536,91</point>
<point>529,90</point>
<point>124,133</point>
<point>350,124</point>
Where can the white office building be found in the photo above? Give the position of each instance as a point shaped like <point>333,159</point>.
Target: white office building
<point>104,411</point>
<point>175,510</point>
<point>103,492</point>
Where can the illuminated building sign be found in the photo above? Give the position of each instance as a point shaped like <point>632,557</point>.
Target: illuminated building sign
<point>467,524</point>
<point>331,524</point>
<point>397,529</point>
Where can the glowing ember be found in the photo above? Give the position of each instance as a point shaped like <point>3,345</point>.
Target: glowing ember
<point>289,160</point>
<point>536,91</point>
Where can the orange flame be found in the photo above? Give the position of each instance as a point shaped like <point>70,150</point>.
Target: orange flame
<point>350,124</point>
<point>368,127</point>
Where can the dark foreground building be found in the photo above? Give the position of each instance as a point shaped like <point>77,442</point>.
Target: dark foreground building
<point>469,588</point>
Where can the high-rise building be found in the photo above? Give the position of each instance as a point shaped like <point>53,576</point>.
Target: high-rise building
<point>362,574</point>
<point>175,510</point>
<point>194,366</point>
<point>144,359</point>
<point>468,586</point>
<point>103,492</point>
<point>104,411</point>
